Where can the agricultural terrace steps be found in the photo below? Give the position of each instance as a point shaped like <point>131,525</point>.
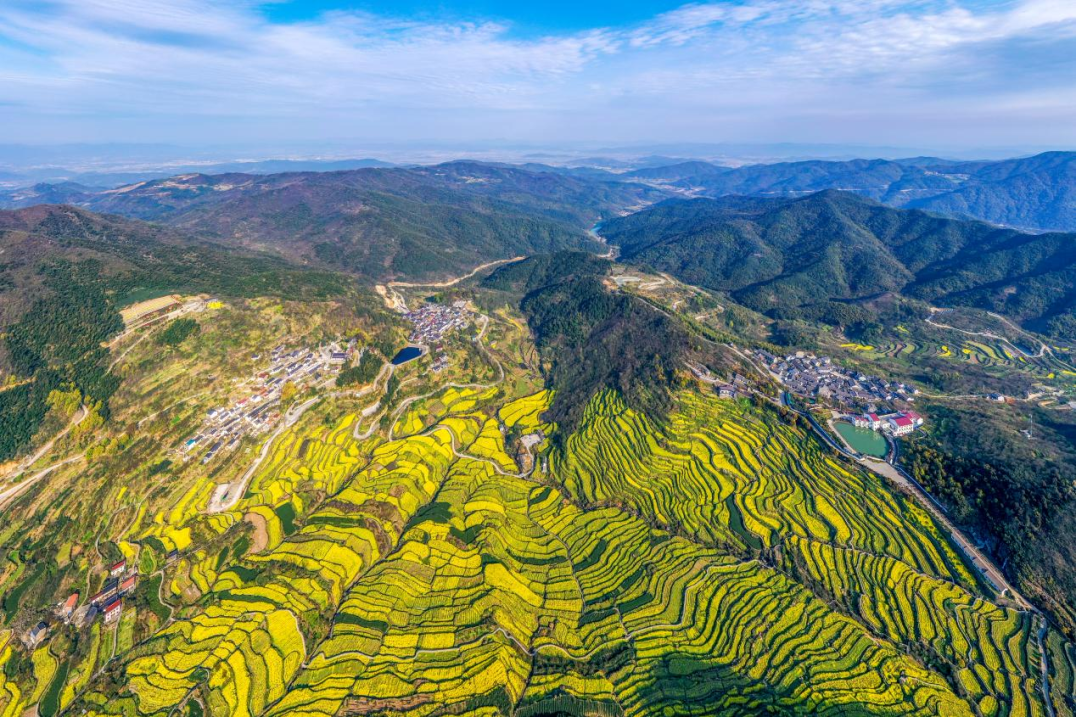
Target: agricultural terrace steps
<point>224,497</point>
<point>982,563</point>
<point>897,476</point>
<point>887,470</point>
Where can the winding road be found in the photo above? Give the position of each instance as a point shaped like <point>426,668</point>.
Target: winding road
<point>227,494</point>
<point>7,495</point>
<point>893,472</point>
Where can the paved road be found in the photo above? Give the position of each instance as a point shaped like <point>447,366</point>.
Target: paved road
<point>228,494</point>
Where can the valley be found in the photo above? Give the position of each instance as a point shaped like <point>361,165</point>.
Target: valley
<point>705,358</point>
<point>541,483</point>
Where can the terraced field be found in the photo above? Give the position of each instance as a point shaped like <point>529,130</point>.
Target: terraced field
<point>1055,369</point>
<point>424,549</point>
<point>722,564</point>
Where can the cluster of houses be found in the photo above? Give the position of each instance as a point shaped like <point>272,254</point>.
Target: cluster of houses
<point>898,424</point>
<point>808,375</point>
<point>107,603</point>
<point>258,410</point>
<point>724,389</point>
<point>433,321</point>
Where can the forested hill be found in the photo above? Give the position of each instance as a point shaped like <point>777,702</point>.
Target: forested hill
<point>772,254</point>
<point>1033,193</point>
<point>593,339</point>
<point>429,222</point>
<point>63,273</point>
<point>130,254</point>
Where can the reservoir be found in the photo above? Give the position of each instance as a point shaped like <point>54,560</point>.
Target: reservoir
<point>406,354</point>
<point>864,440</point>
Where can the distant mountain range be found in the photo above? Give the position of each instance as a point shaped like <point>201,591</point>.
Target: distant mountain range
<point>775,253</point>
<point>773,235</point>
<point>1033,193</point>
<point>105,178</point>
<point>426,222</point>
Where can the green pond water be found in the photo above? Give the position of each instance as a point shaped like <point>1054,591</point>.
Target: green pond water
<point>864,440</point>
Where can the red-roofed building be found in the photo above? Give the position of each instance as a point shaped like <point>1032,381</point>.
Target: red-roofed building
<point>113,609</point>
<point>69,606</point>
<point>875,421</point>
<point>128,585</point>
<point>901,425</point>
<point>117,568</point>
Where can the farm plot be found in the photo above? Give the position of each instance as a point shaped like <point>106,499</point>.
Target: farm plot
<point>242,651</point>
<point>724,473</point>
<point>503,596</point>
<point>722,564</point>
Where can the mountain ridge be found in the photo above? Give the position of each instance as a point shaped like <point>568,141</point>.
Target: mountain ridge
<point>379,223</point>
<point>1036,193</point>
<point>772,253</point>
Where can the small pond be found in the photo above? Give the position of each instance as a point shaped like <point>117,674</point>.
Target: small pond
<point>406,354</point>
<point>864,440</point>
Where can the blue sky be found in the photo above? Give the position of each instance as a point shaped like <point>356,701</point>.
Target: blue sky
<point>526,18</point>
<point>915,73</point>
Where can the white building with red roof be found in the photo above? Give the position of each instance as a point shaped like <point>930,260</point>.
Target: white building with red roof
<point>900,425</point>
<point>113,609</point>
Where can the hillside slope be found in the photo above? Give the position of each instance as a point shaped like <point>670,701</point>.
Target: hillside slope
<point>428,222</point>
<point>64,273</point>
<point>777,253</point>
<point>1034,193</point>
<point>432,544</point>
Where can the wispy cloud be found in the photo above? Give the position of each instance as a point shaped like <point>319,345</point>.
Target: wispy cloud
<point>732,65</point>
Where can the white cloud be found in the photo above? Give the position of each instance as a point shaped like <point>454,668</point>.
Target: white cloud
<point>162,59</point>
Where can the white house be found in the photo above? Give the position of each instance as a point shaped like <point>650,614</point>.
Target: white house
<point>901,425</point>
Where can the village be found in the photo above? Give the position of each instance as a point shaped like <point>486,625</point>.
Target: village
<point>818,377</point>
<point>864,401</point>
<point>432,321</point>
<point>259,407</point>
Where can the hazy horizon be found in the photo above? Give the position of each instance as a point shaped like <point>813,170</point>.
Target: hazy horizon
<point>955,77</point>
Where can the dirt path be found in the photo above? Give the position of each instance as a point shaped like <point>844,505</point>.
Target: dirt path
<point>10,493</point>
<point>79,417</point>
<point>395,301</point>
<point>458,279</point>
<point>14,491</point>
